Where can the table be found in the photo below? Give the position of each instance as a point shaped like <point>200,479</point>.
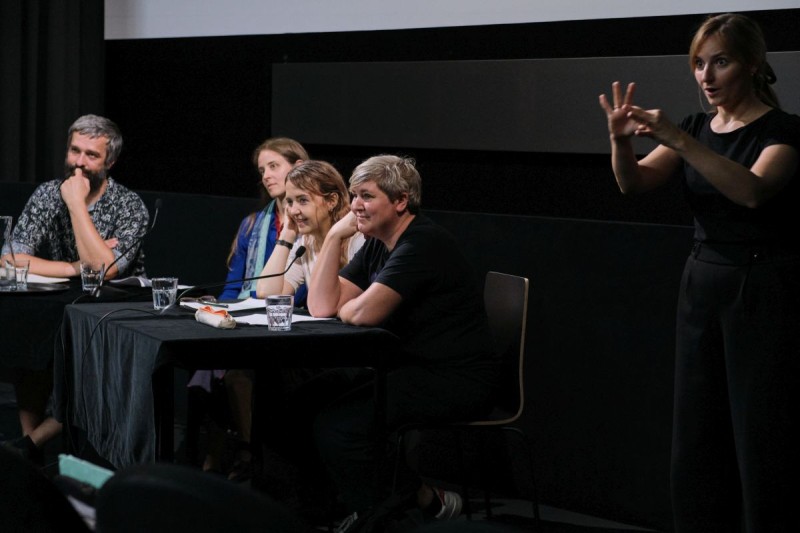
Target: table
<point>113,378</point>
<point>30,323</point>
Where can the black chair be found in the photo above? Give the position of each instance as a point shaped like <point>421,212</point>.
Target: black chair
<point>165,498</point>
<point>506,300</point>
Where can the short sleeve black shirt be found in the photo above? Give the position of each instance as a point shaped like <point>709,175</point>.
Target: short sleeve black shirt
<point>719,220</point>
<point>441,318</point>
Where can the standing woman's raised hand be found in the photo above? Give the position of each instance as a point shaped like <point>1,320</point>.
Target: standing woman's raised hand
<point>653,123</point>
<point>620,125</point>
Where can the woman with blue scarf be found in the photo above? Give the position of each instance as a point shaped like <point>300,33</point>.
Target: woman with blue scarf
<point>250,250</point>
<point>259,231</point>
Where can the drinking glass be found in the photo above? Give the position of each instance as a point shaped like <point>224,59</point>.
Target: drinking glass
<point>8,277</point>
<point>279,312</point>
<point>165,290</point>
<point>21,267</point>
<point>91,275</point>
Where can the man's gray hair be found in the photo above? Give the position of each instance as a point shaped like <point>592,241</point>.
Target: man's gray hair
<point>96,126</point>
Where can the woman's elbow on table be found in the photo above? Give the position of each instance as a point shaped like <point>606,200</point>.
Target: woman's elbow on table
<point>321,305</point>
<point>351,314</point>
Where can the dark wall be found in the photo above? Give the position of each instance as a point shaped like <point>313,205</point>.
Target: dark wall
<point>599,354</point>
<point>522,105</point>
<point>193,109</point>
<point>51,72</point>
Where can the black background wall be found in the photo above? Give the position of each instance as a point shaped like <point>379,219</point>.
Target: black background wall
<point>51,72</point>
<point>193,109</point>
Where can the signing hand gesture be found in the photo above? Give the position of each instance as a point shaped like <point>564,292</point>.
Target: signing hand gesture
<point>620,124</point>
<point>626,119</point>
<point>653,123</point>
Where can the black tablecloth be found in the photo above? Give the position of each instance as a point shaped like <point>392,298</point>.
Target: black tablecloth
<point>103,378</point>
<point>30,322</point>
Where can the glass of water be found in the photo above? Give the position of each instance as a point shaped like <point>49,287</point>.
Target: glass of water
<point>8,281</point>
<point>8,277</point>
<point>22,266</point>
<point>279,312</point>
<point>91,275</point>
<point>165,290</point>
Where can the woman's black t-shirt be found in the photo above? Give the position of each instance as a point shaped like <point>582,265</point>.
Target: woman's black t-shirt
<point>718,219</point>
<point>441,319</point>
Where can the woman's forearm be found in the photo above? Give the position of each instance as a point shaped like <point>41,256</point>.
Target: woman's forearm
<point>275,264</point>
<point>324,288</point>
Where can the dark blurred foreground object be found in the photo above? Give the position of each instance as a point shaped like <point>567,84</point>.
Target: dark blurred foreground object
<point>169,498</point>
<point>31,502</point>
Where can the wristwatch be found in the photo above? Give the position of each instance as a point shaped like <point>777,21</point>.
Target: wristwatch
<point>287,244</point>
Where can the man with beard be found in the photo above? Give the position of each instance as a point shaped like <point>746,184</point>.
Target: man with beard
<point>86,216</point>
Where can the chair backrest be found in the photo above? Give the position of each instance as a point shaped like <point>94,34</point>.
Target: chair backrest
<point>506,300</point>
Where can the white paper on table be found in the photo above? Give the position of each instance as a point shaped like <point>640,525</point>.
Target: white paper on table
<point>261,319</point>
<point>139,281</point>
<point>36,278</point>
<point>244,305</point>
<point>133,281</point>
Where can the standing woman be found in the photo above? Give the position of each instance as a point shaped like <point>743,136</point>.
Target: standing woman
<point>316,198</point>
<point>737,385</point>
<point>257,233</point>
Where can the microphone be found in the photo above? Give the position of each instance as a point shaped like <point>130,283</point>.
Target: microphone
<point>101,289</point>
<point>301,250</point>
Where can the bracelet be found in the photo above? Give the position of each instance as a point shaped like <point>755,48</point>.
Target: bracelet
<point>287,244</point>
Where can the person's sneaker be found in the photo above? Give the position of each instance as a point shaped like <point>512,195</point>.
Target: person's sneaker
<point>241,471</point>
<point>451,504</point>
<point>346,524</point>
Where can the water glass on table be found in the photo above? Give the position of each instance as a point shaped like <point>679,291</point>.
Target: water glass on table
<point>21,267</point>
<point>279,312</point>
<point>8,280</point>
<point>165,290</point>
<point>8,277</point>
<point>91,275</point>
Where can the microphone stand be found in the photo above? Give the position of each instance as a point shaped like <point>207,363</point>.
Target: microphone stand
<point>112,292</point>
<point>298,254</point>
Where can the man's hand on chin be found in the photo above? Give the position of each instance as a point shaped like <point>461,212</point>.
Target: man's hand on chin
<point>75,189</point>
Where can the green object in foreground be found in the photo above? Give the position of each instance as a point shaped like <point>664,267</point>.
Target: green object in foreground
<point>83,471</point>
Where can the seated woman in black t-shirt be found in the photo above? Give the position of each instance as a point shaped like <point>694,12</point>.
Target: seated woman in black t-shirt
<point>410,278</point>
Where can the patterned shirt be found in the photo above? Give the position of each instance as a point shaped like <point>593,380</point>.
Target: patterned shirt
<point>44,228</point>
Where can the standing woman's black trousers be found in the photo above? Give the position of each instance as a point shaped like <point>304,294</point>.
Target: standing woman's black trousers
<point>735,447</point>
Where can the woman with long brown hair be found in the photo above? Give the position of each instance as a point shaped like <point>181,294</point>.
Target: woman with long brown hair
<point>316,198</point>
<point>259,231</point>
